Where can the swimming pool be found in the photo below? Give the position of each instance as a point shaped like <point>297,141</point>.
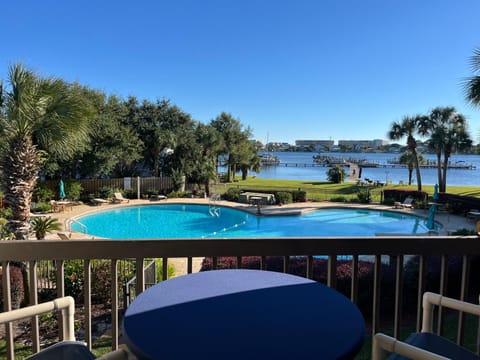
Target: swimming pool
<point>202,221</point>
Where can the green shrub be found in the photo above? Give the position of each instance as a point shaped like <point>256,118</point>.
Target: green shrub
<point>284,197</point>
<point>336,174</point>
<point>299,196</point>
<point>178,179</point>
<point>363,196</point>
<point>178,194</point>
<point>389,202</point>
<point>463,232</point>
<point>339,199</point>
<point>232,194</point>
<point>73,279</point>
<point>43,225</point>
<point>73,190</point>
<point>6,213</point>
<point>106,192</point>
<point>42,207</point>
<point>159,270</point>
<point>130,193</point>
<point>151,192</point>
<point>5,233</point>
<point>86,198</point>
<point>101,278</point>
<point>42,193</point>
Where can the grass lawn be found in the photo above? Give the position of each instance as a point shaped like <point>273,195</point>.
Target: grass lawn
<point>324,191</point>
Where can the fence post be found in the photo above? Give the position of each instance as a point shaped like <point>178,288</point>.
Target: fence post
<point>138,187</point>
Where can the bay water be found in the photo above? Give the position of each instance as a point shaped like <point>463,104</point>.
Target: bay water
<point>305,171</point>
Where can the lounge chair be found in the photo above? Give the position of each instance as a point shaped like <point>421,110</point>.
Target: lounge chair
<point>158,197</point>
<point>99,201</point>
<point>407,203</point>
<point>118,198</point>
<point>64,235</point>
<point>426,344</point>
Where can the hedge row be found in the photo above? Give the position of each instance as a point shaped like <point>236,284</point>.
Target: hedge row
<point>298,266</point>
<point>420,197</point>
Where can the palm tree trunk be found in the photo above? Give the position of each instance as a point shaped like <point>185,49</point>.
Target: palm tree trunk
<point>244,174</point>
<point>439,171</point>
<point>443,185</point>
<point>20,164</point>
<point>417,168</point>
<point>234,171</point>
<point>229,168</point>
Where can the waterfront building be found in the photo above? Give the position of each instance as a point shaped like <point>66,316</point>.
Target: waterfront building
<point>317,145</point>
<point>360,145</point>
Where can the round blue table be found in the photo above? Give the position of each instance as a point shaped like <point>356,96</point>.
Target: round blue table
<point>243,314</point>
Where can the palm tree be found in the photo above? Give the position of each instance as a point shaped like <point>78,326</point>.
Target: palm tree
<point>43,225</point>
<point>448,133</point>
<point>40,117</point>
<point>249,160</point>
<point>235,139</point>
<point>408,159</point>
<point>472,84</point>
<point>408,128</point>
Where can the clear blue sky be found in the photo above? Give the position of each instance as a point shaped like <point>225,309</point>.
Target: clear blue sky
<point>292,69</point>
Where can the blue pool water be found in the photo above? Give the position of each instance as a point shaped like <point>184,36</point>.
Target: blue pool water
<point>200,221</point>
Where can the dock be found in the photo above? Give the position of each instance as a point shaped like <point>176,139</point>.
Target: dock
<point>375,165</point>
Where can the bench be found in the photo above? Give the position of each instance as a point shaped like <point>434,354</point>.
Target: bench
<point>264,198</point>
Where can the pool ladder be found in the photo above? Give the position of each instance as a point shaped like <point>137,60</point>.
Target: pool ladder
<point>68,225</point>
<point>213,209</point>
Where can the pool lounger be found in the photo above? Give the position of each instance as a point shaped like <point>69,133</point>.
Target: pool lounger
<point>158,197</point>
<point>98,201</point>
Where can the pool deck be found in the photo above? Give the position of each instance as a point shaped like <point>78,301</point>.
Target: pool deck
<point>449,222</point>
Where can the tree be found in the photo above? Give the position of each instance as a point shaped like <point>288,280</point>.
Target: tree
<point>113,148</point>
<point>162,125</point>
<point>249,159</point>
<point>207,144</point>
<point>236,144</point>
<point>408,128</point>
<point>408,159</point>
<point>472,84</point>
<point>336,174</point>
<point>40,117</point>
<point>448,133</point>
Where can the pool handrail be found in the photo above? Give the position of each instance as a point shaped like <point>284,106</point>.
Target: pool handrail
<point>68,225</point>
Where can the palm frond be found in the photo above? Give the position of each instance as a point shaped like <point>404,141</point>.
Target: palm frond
<point>472,90</point>
<point>475,61</point>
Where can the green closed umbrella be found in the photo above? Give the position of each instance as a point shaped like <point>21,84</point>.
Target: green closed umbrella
<point>61,190</point>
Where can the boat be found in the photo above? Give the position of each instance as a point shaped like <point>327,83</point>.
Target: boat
<point>431,164</point>
<point>327,160</point>
<point>269,160</point>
